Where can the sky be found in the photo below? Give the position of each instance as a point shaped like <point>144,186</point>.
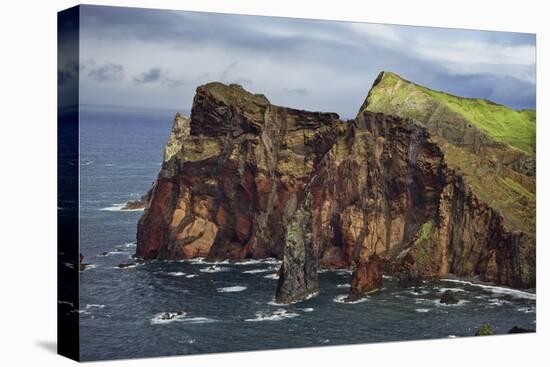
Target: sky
<point>157,58</point>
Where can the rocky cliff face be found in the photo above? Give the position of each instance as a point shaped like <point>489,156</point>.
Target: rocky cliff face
<point>243,178</point>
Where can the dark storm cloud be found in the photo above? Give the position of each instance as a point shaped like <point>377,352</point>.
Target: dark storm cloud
<point>149,76</point>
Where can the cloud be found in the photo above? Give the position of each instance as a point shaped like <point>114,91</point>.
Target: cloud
<point>298,91</point>
<point>149,76</point>
<point>106,72</point>
<point>309,64</point>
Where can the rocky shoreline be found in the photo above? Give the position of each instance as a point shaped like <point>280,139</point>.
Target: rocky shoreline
<point>243,178</point>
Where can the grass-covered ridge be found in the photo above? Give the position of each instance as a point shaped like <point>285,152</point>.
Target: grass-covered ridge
<point>516,128</point>
<point>499,122</point>
<point>501,175</point>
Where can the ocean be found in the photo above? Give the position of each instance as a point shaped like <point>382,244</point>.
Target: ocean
<point>229,307</point>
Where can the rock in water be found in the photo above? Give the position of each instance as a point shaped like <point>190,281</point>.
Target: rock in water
<point>520,330</point>
<point>484,330</point>
<point>298,273</point>
<point>366,277</point>
<point>448,298</point>
<point>139,204</point>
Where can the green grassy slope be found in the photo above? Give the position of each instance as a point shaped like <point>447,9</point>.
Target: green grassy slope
<point>514,127</point>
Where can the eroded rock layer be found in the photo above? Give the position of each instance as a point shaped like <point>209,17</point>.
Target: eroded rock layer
<point>243,178</point>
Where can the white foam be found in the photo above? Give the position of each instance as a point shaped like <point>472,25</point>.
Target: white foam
<point>269,260</point>
<point>497,289</point>
<point>309,296</point>
<point>272,276</point>
<point>119,208</point>
<point>236,288</point>
<point>172,317</point>
<point>414,293</point>
<point>115,253</point>
<point>256,271</point>
<point>498,302</point>
<point>213,269</point>
<point>344,271</point>
<point>456,290</point>
<point>387,277</point>
<point>526,309</point>
<point>277,315</point>
<point>191,276</point>
<point>343,285</point>
<point>127,245</point>
<point>308,309</point>
<point>93,305</point>
<point>422,310</point>
<point>461,302</point>
<point>343,299</point>
<point>175,273</point>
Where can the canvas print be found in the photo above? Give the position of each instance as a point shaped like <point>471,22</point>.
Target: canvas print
<point>236,183</point>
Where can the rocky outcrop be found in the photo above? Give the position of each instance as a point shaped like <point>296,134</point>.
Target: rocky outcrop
<point>141,203</point>
<point>243,178</point>
<point>366,278</point>
<point>298,274</point>
<point>448,298</point>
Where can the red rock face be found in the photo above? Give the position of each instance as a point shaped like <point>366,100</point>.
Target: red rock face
<point>367,277</point>
<point>239,169</point>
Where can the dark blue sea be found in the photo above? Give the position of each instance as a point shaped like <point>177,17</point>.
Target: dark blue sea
<point>229,307</point>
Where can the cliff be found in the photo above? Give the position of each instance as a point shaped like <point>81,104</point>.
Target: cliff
<point>243,178</point>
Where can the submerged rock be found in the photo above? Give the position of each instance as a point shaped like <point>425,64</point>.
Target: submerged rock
<point>448,298</point>
<point>520,330</point>
<point>484,330</point>
<point>130,263</point>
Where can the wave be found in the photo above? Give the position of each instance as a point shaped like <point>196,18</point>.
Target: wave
<point>174,273</point>
<point>309,296</point>
<point>236,288</point>
<point>496,289</point>
<point>344,271</point>
<point>110,253</point>
<point>272,276</point>
<point>191,275</point>
<point>93,305</point>
<point>527,309</point>
<point>345,285</point>
<point>261,270</point>
<point>168,317</point>
<point>498,302</point>
<point>119,208</point>
<point>343,299</point>
<point>127,245</point>
<point>308,309</point>
<point>255,271</point>
<point>213,269</point>
<point>277,315</point>
<point>422,310</point>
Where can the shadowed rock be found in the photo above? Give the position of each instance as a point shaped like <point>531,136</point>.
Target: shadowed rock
<point>448,298</point>
<point>298,273</point>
